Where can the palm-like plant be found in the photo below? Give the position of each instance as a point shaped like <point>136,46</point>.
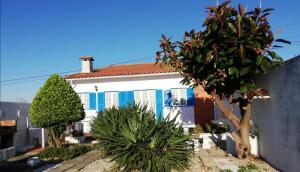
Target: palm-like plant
<point>135,140</point>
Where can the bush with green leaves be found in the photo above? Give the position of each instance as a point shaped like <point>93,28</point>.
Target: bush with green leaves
<point>135,140</point>
<point>248,168</point>
<point>224,57</point>
<point>65,152</point>
<point>211,128</point>
<point>55,106</point>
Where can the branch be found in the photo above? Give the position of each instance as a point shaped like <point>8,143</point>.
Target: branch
<point>227,112</point>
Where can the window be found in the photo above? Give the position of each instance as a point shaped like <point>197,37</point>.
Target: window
<point>84,97</point>
<point>179,97</point>
<point>111,99</point>
<point>145,97</point>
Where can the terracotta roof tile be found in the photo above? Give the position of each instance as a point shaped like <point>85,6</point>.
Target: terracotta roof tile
<point>121,70</point>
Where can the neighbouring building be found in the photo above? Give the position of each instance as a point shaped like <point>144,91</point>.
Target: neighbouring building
<point>16,132</point>
<point>147,83</point>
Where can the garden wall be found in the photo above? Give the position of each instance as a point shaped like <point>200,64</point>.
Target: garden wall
<point>278,118</point>
<point>25,137</point>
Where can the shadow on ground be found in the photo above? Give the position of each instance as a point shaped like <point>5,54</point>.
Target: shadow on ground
<point>21,165</point>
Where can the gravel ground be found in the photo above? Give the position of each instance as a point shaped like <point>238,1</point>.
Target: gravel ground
<point>202,161</point>
<point>101,165</point>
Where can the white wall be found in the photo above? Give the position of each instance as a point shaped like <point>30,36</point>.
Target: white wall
<point>128,83</point>
<point>131,83</point>
<point>24,136</point>
<point>278,118</point>
<point>186,115</point>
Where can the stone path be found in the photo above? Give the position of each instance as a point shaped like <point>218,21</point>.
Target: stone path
<point>77,163</point>
<point>216,159</point>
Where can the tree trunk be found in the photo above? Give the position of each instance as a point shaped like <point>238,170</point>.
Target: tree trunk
<point>50,137</point>
<point>245,147</point>
<point>55,140</point>
<point>241,134</point>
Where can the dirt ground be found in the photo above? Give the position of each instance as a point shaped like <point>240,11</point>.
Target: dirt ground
<point>212,160</point>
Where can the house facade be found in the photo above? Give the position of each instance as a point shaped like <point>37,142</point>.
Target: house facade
<point>146,83</point>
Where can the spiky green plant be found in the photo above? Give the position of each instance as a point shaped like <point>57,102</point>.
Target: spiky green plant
<point>136,141</point>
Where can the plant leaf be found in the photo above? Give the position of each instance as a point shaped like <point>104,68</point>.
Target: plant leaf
<point>241,10</point>
<point>267,10</point>
<point>283,41</point>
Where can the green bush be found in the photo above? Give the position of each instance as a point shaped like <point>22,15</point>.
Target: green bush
<point>135,140</point>
<point>55,106</point>
<point>76,133</point>
<point>211,128</point>
<point>248,168</point>
<point>67,151</point>
<point>226,170</point>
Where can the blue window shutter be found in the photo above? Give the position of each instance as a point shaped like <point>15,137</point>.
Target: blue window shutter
<point>125,98</point>
<point>122,98</point>
<point>159,104</point>
<point>167,98</point>
<point>190,97</point>
<point>130,97</point>
<point>92,101</point>
<point>101,101</point>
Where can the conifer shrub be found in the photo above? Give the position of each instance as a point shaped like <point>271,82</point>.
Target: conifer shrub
<point>55,106</point>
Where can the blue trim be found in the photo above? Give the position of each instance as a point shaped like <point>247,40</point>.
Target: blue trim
<point>101,101</point>
<point>125,98</point>
<point>92,101</point>
<point>190,96</point>
<point>122,97</point>
<point>159,104</point>
<point>130,97</point>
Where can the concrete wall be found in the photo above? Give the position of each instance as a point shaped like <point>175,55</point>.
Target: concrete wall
<point>278,118</point>
<point>131,83</point>
<point>25,137</point>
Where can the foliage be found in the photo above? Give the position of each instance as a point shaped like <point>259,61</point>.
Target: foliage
<point>56,104</point>
<point>211,128</point>
<point>76,133</point>
<point>248,168</point>
<point>135,140</point>
<point>225,170</point>
<point>67,151</point>
<point>232,47</point>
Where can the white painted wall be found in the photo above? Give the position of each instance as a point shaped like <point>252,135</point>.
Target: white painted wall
<point>86,66</point>
<point>278,118</point>
<point>23,138</point>
<point>131,83</point>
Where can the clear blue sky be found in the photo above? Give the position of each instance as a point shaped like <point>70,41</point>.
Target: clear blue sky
<point>48,36</point>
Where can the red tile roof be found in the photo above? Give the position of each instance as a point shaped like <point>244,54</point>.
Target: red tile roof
<point>121,70</point>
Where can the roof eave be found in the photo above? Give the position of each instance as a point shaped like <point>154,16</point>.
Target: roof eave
<point>124,76</point>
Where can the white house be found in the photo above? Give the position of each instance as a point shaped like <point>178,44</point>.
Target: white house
<point>146,83</point>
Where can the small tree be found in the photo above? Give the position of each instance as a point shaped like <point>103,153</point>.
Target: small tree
<point>232,48</point>
<point>55,106</point>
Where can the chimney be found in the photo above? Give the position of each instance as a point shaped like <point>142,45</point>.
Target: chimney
<point>86,64</point>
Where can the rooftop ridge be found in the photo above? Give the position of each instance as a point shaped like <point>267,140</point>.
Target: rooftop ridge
<point>123,70</point>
